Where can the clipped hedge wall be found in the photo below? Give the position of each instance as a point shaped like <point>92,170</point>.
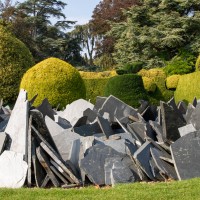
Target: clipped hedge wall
<point>95,87</point>
<point>15,59</point>
<point>188,87</point>
<point>56,80</point>
<point>161,93</point>
<point>128,87</point>
<point>97,75</point>
<point>172,81</point>
<point>149,84</point>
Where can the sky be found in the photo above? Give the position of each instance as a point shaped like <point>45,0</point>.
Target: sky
<point>80,10</point>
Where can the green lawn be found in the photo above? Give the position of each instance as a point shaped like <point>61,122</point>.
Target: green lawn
<point>189,189</point>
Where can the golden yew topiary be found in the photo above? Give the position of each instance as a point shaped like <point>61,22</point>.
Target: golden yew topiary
<point>56,80</point>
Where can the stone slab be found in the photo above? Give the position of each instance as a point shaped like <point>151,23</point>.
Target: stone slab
<point>165,168</point>
<point>182,107</point>
<point>171,121</point>
<point>186,155</point>
<point>3,138</point>
<point>142,156</point>
<point>44,161</point>
<point>46,109</point>
<point>188,115</point>
<point>195,116</point>
<point>117,108</point>
<point>189,128</point>
<point>17,129</point>
<point>13,169</point>
<point>93,163</point>
<point>62,122</point>
<point>155,170</point>
<point>99,102</point>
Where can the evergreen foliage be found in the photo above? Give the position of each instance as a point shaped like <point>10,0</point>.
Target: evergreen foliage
<point>149,84</point>
<point>197,64</point>
<point>155,31</point>
<point>128,87</point>
<point>15,59</point>
<point>56,80</point>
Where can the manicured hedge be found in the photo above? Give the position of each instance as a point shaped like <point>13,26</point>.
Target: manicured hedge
<point>149,84</point>
<point>188,87</point>
<point>128,87</point>
<point>15,59</point>
<point>95,87</point>
<point>172,81</point>
<point>56,80</point>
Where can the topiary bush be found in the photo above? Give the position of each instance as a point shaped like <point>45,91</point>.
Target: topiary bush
<point>15,59</point>
<point>197,64</point>
<point>172,81</point>
<point>95,87</point>
<point>188,87</point>
<point>130,68</point>
<point>158,76</point>
<point>128,87</point>
<point>149,84</point>
<point>96,75</point>
<point>181,64</point>
<point>56,80</point>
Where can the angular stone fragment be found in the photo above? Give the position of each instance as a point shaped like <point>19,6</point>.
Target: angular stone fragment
<point>165,168</point>
<point>18,124</point>
<point>186,155</point>
<point>62,122</point>
<point>194,102</point>
<point>93,163</point>
<point>90,114</point>
<point>13,169</point>
<point>75,110</point>
<point>53,127</point>
<point>3,138</point>
<point>150,113</point>
<point>158,129</point>
<point>99,102</point>
<point>155,170</point>
<point>46,165</point>
<point>188,115</point>
<point>195,116</point>
<point>189,128</point>
<point>171,121</point>
<point>142,156</point>
<point>182,107</point>
<point>117,108</point>
<point>105,126</point>
<point>46,109</point>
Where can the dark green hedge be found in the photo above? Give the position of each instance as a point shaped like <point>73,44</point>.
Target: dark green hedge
<point>128,87</point>
<point>95,87</point>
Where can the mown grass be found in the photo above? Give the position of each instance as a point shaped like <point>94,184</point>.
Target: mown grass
<point>189,189</point>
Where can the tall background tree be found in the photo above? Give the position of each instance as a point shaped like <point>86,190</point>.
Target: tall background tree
<point>156,31</point>
<point>105,12</point>
<point>31,22</point>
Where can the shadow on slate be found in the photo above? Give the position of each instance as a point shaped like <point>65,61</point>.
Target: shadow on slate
<point>3,140</point>
<point>186,155</point>
<point>171,121</point>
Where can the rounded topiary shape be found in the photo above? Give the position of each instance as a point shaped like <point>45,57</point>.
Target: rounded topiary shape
<point>197,64</point>
<point>128,87</point>
<point>188,87</point>
<point>172,81</point>
<point>54,79</point>
<point>15,59</point>
<point>149,84</point>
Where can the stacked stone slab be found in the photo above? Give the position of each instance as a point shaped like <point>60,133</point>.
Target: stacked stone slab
<point>102,144</point>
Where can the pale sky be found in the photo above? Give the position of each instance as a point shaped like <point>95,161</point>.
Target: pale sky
<point>80,10</point>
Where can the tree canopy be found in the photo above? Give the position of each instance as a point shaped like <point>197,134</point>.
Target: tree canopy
<point>156,31</point>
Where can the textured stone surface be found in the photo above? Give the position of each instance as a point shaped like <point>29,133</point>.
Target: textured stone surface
<point>17,129</point>
<point>3,138</point>
<point>186,155</point>
<point>12,169</point>
<point>189,128</point>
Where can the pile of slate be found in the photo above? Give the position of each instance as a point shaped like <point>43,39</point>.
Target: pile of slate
<point>102,144</point>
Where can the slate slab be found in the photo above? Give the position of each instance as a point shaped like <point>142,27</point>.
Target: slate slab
<point>182,107</point>
<point>3,138</point>
<point>171,121</point>
<point>195,116</point>
<point>188,115</point>
<point>90,114</point>
<point>99,102</point>
<point>44,161</point>
<point>155,170</point>
<point>46,109</point>
<point>150,113</point>
<point>93,163</point>
<point>75,110</point>
<point>29,138</point>
<point>158,130</point>
<point>13,169</point>
<point>142,156</point>
<point>117,108</point>
<point>62,122</point>
<point>186,154</point>
<point>53,128</point>
<point>17,129</point>
<point>105,126</point>
<point>39,172</point>
<point>165,168</point>
<point>189,128</point>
